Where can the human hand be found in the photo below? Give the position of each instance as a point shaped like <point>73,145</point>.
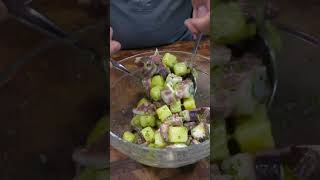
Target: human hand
<point>200,21</point>
<point>115,46</point>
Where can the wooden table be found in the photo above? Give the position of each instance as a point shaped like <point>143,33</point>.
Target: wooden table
<point>122,167</point>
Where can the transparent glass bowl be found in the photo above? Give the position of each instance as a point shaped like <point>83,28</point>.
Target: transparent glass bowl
<point>125,92</point>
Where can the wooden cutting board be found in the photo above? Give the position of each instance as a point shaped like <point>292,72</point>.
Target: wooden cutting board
<point>123,168</point>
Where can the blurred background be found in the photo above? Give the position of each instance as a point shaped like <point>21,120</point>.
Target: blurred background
<point>51,93</point>
<point>296,110</point>
<point>57,92</point>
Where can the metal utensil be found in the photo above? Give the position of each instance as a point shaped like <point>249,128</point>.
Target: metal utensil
<point>195,49</point>
<point>119,66</point>
<point>23,12</point>
<point>193,57</point>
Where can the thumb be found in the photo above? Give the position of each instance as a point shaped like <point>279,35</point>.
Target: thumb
<point>190,24</point>
<point>114,47</point>
<point>197,25</point>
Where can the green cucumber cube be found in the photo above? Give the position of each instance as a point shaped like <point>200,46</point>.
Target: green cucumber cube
<point>142,101</point>
<point>163,112</point>
<point>176,107</point>
<point>241,166</point>
<point>136,121</point>
<point>185,115</point>
<point>151,145</point>
<point>148,134</point>
<point>155,93</point>
<point>158,140</point>
<point>147,121</point>
<point>219,141</point>
<point>178,134</point>
<point>129,136</point>
<point>180,69</point>
<point>189,103</point>
<point>169,60</point>
<point>253,136</point>
<point>199,132</point>
<point>173,79</point>
<point>157,80</point>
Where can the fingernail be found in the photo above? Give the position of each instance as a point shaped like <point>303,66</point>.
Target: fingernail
<point>202,10</point>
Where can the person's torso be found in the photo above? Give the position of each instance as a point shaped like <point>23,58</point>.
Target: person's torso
<point>146,23</point>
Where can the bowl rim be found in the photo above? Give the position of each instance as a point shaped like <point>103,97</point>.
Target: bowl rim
<point>188,148</point>
<point>162,51</point>
<point>160,150</point>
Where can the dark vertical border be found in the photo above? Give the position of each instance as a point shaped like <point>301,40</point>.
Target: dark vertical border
<point>106,63</point>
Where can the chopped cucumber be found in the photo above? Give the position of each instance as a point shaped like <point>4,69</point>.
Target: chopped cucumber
<point>253,136</point>
<point>180,69</point>
<point>176,107</point>
<point>169,60</point>
<point>219,146</point>
<point>240,166</point>
<point>163,112</point>
<point>157,80</point>
<point>173,79</point>
<point>142,101</point>
<point>189,103</point>
<point>288,174</point>
<point>168,94</point>
<point>100,130</point>
<point>148,134</point>
<point>185,115</point>
<point>178,134</point>
<point>184,89</point>
<point>147,121</point>
<point>151,145</point>
<point>136,121</point>
<point>155,93</point>
<point>158,140</point>
<point>129,136</point>
<point>199,132</point>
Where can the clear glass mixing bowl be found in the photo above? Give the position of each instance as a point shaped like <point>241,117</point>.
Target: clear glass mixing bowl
<point>125,91</point>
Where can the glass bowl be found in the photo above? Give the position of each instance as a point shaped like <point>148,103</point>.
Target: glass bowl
<point>125,92</point>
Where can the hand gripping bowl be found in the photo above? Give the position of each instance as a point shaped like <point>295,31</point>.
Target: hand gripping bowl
<point>125,91</point>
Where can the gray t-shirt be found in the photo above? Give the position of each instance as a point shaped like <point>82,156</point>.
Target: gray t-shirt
<point>147,23</point>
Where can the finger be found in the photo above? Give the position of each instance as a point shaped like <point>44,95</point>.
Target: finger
<point>194,13</point>
<point>202,11</point>
<point>114,47</point>
<point>191,26</point>
<point>111,33</point>
<point>202,24</point>
<point>197,3</point>
<point>197,25</point>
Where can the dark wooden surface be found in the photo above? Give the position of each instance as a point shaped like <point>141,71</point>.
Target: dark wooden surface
<point>122,167</point>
